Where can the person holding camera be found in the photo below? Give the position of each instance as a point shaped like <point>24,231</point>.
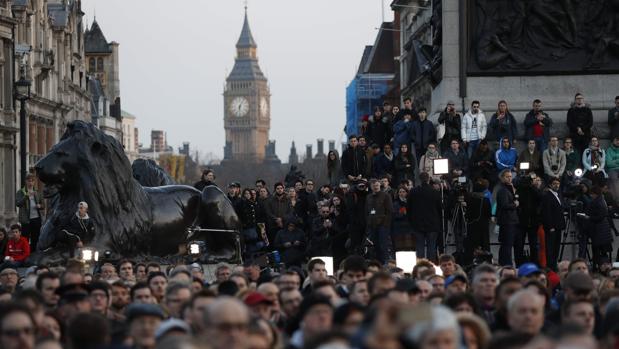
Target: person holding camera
<point>553,160</point>
<point>594,162</point>
<point>553,221</point>
<point>355,210</point>
<point>533,157</point>
<point>506,216</point>
<point>537,125</point>
<point>458,161</point>
<point>503,124</point>
<point>290,241</point>
<point>453,125</point>
<point>482,163</point>
<point>322,233</point>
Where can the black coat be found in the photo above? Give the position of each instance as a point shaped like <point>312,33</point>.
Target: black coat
<point>354,161</point>
<point>321,238</point>
<point>404,167</point>
<point>458,161</point>
<point>379,132</point>
<point>381,165</point>
<point>424,208</point>
<point>506,210</point>
<point>423,133</point>
<point>529,209</point>
<point>598,226</point>
<point>580,117</point>
<point>292,254</point>
<point>246,210</point>
<point>552,212</point>
<point>613,122</point>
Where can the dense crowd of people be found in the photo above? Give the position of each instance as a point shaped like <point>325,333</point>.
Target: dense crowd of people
<point>386,193</point>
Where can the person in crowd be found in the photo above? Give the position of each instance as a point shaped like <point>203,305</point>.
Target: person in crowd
<point>402,133</point>
<point>79,231</point>
<point>554,160</point>
<point>506,157</point>
<point>407,108</point>
<point>334,168</point>
<point>580,121</point>
<point>17,327</point>
<point>308,202</point>
<point>355,203</point>
<point>525,312</point>
<point>207,178</point>
<point>291,242</point>
<point>340,222</point>
<point>594,162</point>
<point>246,210</point>
<point>17,249</point>
<point>401,230</point>
<point>125,272</point>
<point>426,163</point>
<point>533,157</point>
<point>30,213</point>
<point>452,122</point>
<point>503,124</point>
<point>612,167</point>
<point>370,153</point>
<point>529,194</point>
<point>404,164</point>
<point>379,128</point>
<point>478,214</point>
<point>598,226</point>
<point>553,221</point>
<point>323,230</point>
<point>484,281</point>
<point>353,160</point>
<point>277,209</point>
<point>4,239</point>
<point>458,161</point>
<point>506,216</point>
<point>382,164</point>
<point>423,132</point>
<point>234,193</point>
<point>613,119</point>
<point>481,164</point>
<point>473,128</point>
<point>424,214</point>
<point>378,210</point>
<point>537,124</point>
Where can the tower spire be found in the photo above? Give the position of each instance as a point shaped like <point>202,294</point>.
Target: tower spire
<point>246,39</point>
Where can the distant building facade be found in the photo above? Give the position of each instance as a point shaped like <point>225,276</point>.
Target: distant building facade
<point>129,135</point>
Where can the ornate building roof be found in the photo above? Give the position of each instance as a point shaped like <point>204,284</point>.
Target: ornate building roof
<point>94,40</point>
<point>246,39</point>
<point>246,65</point>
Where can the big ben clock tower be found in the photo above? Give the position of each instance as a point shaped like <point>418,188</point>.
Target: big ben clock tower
<point>247,101</point>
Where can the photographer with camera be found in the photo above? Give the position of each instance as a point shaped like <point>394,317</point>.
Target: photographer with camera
<point>458,161</point>
<point>355,209</point>
<point>482,163</point>
<point>453,125</point>
<point>290,241</point>
<point>594,161</point>
<point>554,160</point>
<point>478,215</point>
<point>506,216</point>
<point>529,194</point>
<point>323,231</point>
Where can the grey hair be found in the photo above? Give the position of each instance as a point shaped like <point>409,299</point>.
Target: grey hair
<point>442,318</point>
<point>516,297</point>
<point>82,204</point>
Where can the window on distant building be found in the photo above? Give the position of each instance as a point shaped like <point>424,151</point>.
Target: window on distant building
<point>91,64</point>
<point>100,64</point>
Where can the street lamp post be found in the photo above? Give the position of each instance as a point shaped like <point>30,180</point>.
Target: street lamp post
<point>22,94</point>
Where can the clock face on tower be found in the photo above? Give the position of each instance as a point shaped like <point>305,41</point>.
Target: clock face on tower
<point>239,106</point>
<point>264,107</point>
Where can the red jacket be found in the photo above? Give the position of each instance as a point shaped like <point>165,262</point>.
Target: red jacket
<point>18,250</point>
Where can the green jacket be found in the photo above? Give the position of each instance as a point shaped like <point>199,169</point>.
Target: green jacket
<point>572,161</point>
<point>612,158</point>
<point>23,203</point>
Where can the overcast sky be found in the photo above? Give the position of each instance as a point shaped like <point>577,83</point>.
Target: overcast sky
<point>175,55</point>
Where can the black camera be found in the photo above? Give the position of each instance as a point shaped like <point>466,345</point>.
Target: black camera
<point>554,167</point>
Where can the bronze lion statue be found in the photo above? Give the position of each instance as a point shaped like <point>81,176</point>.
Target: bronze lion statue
<point>130,220</point>
<point>149,174</point>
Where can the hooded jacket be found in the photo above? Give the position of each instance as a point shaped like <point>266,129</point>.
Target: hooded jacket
<point>467,126</point>
<point>506,158</point>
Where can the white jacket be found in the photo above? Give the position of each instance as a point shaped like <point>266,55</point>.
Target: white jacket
<point>467,126</point>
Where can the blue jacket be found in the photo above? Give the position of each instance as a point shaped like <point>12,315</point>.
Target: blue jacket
<point>506,158</point>
<point>402,134</point>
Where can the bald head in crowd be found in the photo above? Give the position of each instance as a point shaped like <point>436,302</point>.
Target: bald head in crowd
<point>525,312</point>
